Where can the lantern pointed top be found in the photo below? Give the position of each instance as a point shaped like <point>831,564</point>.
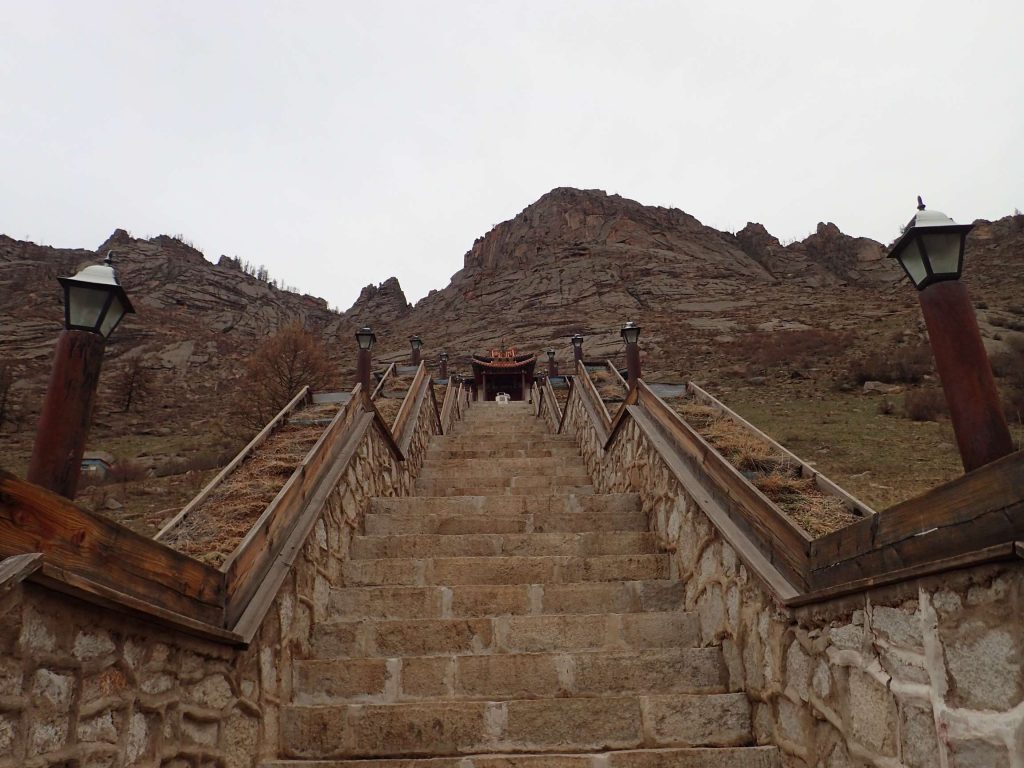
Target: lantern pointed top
<point>920,203</point>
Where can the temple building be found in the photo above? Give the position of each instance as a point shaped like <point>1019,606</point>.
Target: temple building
<point>504,370</point>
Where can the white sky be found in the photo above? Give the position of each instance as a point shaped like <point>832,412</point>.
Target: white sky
<point>341,143</point>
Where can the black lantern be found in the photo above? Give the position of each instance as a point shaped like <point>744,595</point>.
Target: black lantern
<point>94,300</point>
<point>365,338</point>
<point>415,342</point>
<point>443,357</point>
<point>577,340</point>
<point>630,332</point>
<point>931,248</point>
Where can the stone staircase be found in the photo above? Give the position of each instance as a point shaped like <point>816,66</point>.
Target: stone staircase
<point>507,615</point>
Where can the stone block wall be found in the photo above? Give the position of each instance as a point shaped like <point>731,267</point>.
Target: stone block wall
<point>924,673</point>
<point>89,687</point>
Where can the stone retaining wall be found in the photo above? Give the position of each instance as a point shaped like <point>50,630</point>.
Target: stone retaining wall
<point>921,674</point>
<point>88,687</point>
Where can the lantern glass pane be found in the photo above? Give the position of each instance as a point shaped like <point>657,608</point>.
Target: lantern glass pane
<point>85,306</point>
<point>114,315</point>
<point>913,263</point>
<point>943,250</point>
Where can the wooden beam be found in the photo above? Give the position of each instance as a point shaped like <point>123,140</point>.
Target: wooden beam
<point>33,519</point>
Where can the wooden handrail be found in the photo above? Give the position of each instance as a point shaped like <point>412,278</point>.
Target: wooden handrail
<point>408,404</point>
<point>246,566</point>
<point>592,402</point>
<point>806,470</point>
<point>615,373</point>
<point>261,437</point>
<point>552,401</point>
<point>380,384</point>
<point>447,403</point>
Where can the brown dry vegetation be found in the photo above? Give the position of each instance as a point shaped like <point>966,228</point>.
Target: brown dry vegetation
<point>213,530</point>
<point>770,471</point>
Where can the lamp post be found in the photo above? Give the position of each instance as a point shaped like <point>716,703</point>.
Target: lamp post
<point>443,365</point>
<point>552,365</point>
<point>365,339</point>
<point>417,344</point>
<point>577,347</point>
<point>931,252</point>
<point>631,335</point>
<point>94,304</point>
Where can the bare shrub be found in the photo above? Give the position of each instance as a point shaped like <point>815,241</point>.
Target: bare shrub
<point>276,371</point>
<point>924,404</point>
<point>778,348</point>
<point>132,383</point>
<point>907,364</point>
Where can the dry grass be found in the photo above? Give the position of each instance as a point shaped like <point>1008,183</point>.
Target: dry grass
<point>609,387</point>
<point>771,472</point>
<point>213,530</point>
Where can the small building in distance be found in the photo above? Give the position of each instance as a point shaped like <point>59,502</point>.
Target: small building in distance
<point>96,466</point>
<point>503,370</point>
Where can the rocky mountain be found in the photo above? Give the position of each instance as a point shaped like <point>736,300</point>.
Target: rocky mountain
<point>710,304</point>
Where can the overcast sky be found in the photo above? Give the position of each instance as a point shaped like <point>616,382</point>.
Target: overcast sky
<point>340,143</point>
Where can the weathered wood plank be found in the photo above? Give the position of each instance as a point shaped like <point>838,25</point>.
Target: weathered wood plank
<point>111,598</point>
<point>967,533</point>
<point>991,488</point>
<point>1007,551</point>
<point>261,437</point>
<point>33,519</point>
<point>618,376</point>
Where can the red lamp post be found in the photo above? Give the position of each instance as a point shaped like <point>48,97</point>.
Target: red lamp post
<point>94,304</point>
<point>442,372</point>
<point>417,344</point>
<point>631,335</point>
<point>577,347</point>
<point>365,339</point>
<point>931,252</point>
<point>552,365</point>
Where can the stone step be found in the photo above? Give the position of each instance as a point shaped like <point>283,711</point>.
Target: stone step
<point>494,544</point>
<point>548,569</point>
<point>515,486</point>
<point>519,430</point>
<point>569,466</point>
<point>509,676</point>
<point>684,757</point>
<point>436,452</point>
<point>539,503</point>
<point>520,725</point>
<point>457,522</point>
<point>505,634</point>
<point>476,600</point>
<point>505,440</point>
